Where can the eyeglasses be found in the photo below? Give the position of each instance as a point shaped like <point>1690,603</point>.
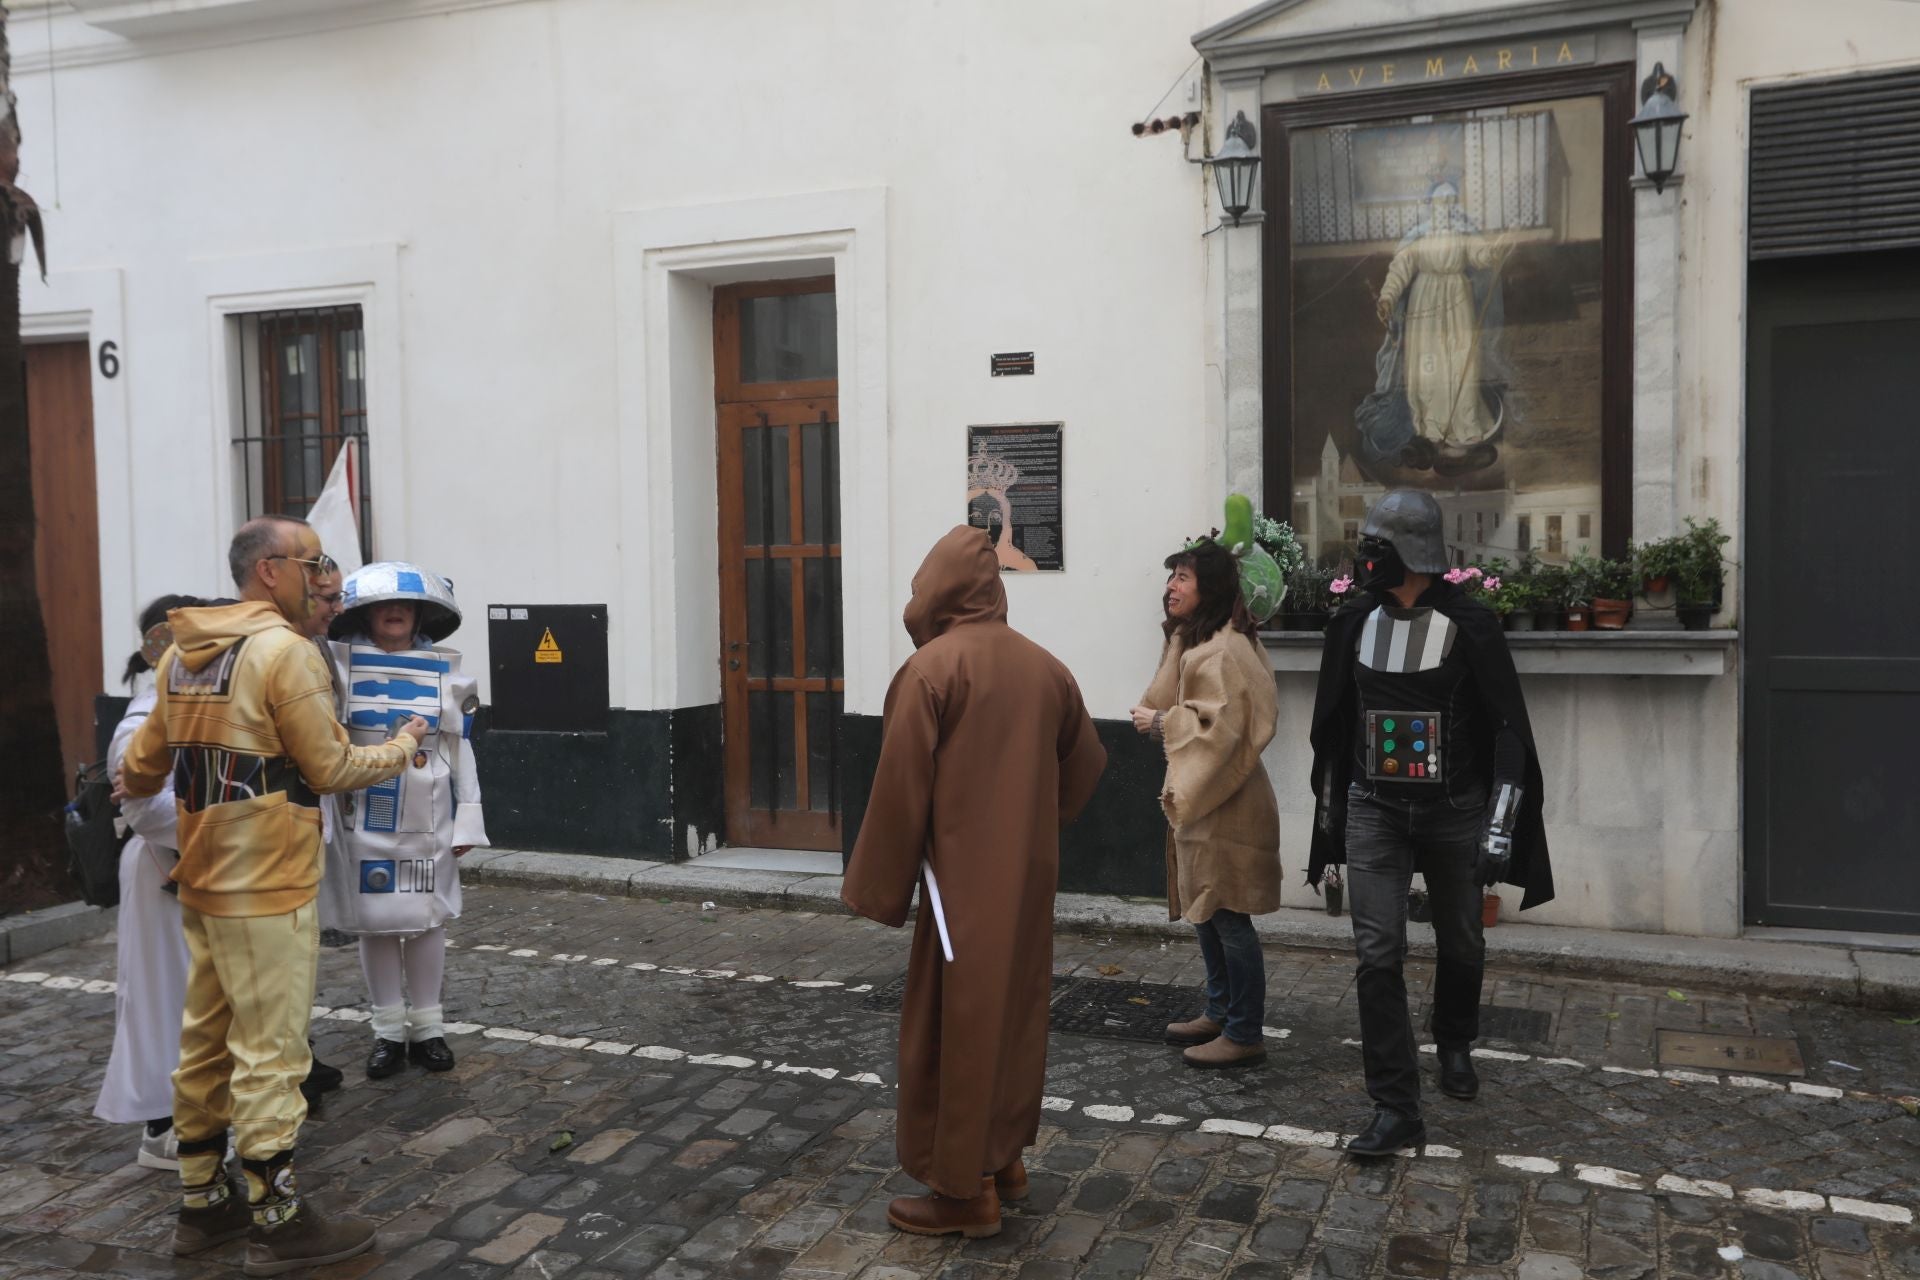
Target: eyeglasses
<point>320,568</point>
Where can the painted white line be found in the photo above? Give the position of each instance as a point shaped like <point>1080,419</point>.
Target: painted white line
<point>1801,1201</point>
<point>564,958</point>
<point>1804,1089</point>
<point>1293,1136</point>
<point>1100,1111</point>
<point>460,1028</point>
<point>720,1060</point>
<point>1435,1151</point>
<point>864,1077</point>
<point>1056,1104</point>
<point>824,1073</point>
<point>523,952</point>
<point>1694,1187</point>
<point>816,984</point>
<point>1878,1212</point>
<point>564,1042</point>
<point>1755,1082</point>
<point>604,961</point>
<point>1502,1055</point>
<point>485,946</point>
<point>508,1033</point>
<point>1690,1077</point>
<point>659,1053</point>
<point>614,1047</point>
<point>350,1015</point>
<point>64,984</point>
<point>1601,1175</point>
<point>28,977</point>
<point>1566,1062</point>
<point>1643,1073</point>
<point>101,987</point>
<point>1165,1119</point>
<point>1239,1128</point>
<point>1529,1164</point>
<point>643,966</point>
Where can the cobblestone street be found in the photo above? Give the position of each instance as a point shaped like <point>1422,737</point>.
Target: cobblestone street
<point>650,1088</point>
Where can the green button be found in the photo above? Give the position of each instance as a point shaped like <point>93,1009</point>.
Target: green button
<point>1388,725</point>
<point>1389,746</point>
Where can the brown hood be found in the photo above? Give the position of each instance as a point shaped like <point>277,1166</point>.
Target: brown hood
<point>958,583</point>
<point>202,635</point>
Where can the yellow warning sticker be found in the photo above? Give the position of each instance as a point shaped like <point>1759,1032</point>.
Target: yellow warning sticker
<point>548,649</point>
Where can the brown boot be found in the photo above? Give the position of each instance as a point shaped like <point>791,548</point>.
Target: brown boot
<point>306,1238</point>
<point>1222,1052</point>
<point>938,1215</point>
<point>1193,1031</point>
<point>218,1214</point>
<point>1011,1182</point>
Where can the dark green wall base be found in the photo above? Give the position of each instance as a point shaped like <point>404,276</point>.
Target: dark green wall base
<point>1118,845</point>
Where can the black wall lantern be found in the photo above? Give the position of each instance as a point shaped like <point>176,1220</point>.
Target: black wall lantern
<point>1235,166</point>
<point>1656,130</point>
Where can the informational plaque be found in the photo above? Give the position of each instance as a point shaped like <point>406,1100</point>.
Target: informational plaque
<point>1013,492</point>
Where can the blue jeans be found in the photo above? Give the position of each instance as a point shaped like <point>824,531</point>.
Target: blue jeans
<point>1236,975</point>
<point>1387,841</point>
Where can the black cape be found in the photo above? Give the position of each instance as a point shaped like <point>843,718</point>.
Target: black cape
<point>1336,717</point>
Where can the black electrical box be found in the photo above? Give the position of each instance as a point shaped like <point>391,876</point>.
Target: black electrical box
<point>549,667</point>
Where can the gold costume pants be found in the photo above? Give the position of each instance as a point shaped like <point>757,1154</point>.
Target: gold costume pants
<point>243,1042</point>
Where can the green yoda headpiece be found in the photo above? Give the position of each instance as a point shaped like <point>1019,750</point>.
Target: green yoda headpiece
<point>1262,586</point>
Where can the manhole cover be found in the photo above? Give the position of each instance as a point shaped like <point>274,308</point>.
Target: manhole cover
<point>1762,1055</point>
<point>335,938</point>
<point>1121,1010</point>
<point>1515,1026</point>
<point>886,999</point>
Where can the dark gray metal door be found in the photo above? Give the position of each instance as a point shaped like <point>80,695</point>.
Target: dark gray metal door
<point>1831,621</point>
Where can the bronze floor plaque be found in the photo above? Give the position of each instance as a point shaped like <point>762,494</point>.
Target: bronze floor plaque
<point>1759,1055</point>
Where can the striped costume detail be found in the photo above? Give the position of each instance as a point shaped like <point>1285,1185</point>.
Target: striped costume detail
<point>1406,641</point>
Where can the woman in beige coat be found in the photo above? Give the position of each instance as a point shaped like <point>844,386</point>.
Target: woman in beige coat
<point>1212,704</point>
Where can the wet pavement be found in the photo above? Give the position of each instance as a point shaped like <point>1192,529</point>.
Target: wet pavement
<point>649,1088</point>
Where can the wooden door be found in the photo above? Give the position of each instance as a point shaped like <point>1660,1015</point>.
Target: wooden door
<point>781,638</point>
<point>66,548</point>
<point>1831,608</point>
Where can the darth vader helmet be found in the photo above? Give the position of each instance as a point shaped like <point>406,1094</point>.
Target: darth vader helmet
<point>1403,534</point>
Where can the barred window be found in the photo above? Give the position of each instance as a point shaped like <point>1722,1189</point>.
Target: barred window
<point>302,395</point>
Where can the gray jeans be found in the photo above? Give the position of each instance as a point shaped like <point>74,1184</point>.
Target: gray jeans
<point>1387,841</point>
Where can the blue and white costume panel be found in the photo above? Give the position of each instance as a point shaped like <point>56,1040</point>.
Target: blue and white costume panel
<point>391,868</point>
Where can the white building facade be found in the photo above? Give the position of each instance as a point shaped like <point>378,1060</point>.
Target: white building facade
<point>663,328</point>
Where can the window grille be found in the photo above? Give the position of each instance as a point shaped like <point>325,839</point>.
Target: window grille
<point>302,394</point>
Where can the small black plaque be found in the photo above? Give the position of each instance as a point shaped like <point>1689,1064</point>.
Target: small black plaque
<point>1012,364</point>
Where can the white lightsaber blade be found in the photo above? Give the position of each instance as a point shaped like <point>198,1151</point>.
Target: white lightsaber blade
<point>939,912</point>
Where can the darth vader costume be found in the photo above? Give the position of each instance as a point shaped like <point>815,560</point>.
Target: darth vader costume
<point>1423,760</point>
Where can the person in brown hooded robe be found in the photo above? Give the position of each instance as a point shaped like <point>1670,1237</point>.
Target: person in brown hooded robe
<point>987,751</point>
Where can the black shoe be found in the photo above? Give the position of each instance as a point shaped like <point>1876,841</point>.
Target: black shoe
<point>388,1056</point>
<point>1457,1078</point>
<point>1390,1132</point>
<point>432,1054</point>
<point>322,1078</point>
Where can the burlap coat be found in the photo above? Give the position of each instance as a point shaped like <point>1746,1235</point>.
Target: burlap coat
<point>1223,837</point>
<point>985,753</point>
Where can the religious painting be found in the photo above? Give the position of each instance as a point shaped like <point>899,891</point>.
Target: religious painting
<point>1447,315</point>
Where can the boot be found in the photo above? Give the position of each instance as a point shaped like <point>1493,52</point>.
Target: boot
<point>432,1054</point>
<point>1222,1052</point>
<point>211,1216</point>
<point>938,1215</point>
<point>1457,1076</point>
<point>304,1237</point>
<point>388,1056</point>
<point>1011,1182</point>
<point>1390,1133</point>
<point>1193,1031</point>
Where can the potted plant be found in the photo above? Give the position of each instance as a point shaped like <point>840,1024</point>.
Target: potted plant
<point>1518,596</point>
<point>1276,538</point>
<point>1657,562</point>
<point>1613,582</point>
<point>1699,573</point>
<point>1550,596</point>
<point>1577,593</point>
<point>1310,598</point>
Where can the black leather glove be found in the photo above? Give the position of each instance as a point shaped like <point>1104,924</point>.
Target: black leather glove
<point>1495,854</point>
<point>1325,815</point>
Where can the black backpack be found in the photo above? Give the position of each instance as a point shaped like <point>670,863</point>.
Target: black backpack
<point>95,836</point>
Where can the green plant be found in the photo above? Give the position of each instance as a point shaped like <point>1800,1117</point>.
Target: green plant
<point>1698,575</point>
<point>1550,587</point>
<point>1276,537</point>
<point>1614,580</point>
<point>1659,559</point>
<point>1310,590</point>
<point>1582,573</point>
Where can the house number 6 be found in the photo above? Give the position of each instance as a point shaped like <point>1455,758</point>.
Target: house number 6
<point>109,359</point>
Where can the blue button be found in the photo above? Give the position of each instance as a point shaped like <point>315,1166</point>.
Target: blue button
<point>1419,746</point>
<point>1419,726</point>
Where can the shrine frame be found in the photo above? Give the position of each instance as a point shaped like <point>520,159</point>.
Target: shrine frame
<point>1615,85</point>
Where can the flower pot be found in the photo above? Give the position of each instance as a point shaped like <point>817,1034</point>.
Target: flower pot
<point>1334,894</point>
<point>1489,910</point>
<point>1655,586</point>
<point>1520,620</point>
<point>1695,617</point>
<point>1612,615</point>
<point>1314,621</point>
<point>1579,619</point>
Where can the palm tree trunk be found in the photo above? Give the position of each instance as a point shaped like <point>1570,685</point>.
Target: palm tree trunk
<point>32,848</point>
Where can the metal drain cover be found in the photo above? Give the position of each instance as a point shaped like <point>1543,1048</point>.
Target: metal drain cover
<point>1761,1055</point>
<point>1122,1010</point>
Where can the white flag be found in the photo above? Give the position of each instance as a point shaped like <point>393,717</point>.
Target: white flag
<point>335,513</point>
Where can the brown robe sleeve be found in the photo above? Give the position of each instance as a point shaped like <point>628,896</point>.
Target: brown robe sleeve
<point>1082,758</point>
<point>893,836</point>
<point>1207,759</point>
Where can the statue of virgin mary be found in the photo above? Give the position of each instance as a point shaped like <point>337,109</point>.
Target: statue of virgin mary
<point>1440,396</point>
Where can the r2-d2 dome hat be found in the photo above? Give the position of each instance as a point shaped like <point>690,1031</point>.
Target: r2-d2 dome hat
<point>386,580</point>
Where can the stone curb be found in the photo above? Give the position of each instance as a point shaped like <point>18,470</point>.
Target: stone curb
<point>1874,979</point>
<point>33,932</point>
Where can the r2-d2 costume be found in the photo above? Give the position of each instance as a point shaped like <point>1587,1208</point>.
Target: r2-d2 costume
<point>391,875</point>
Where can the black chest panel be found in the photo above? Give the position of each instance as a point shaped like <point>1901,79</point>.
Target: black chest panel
<point>1418,708</point>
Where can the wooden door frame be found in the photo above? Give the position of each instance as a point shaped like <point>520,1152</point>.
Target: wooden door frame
<point>739,406</point>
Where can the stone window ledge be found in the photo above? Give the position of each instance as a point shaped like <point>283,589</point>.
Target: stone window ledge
<point>1564,653</point>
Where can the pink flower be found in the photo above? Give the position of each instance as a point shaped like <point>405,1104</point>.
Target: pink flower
<point>1491,584</point>
<point>1340,586</point>
<point>1456,575</point>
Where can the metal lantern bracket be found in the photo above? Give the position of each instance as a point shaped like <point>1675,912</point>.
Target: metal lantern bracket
<point>1235,166</point>
<point>1657,128</point>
